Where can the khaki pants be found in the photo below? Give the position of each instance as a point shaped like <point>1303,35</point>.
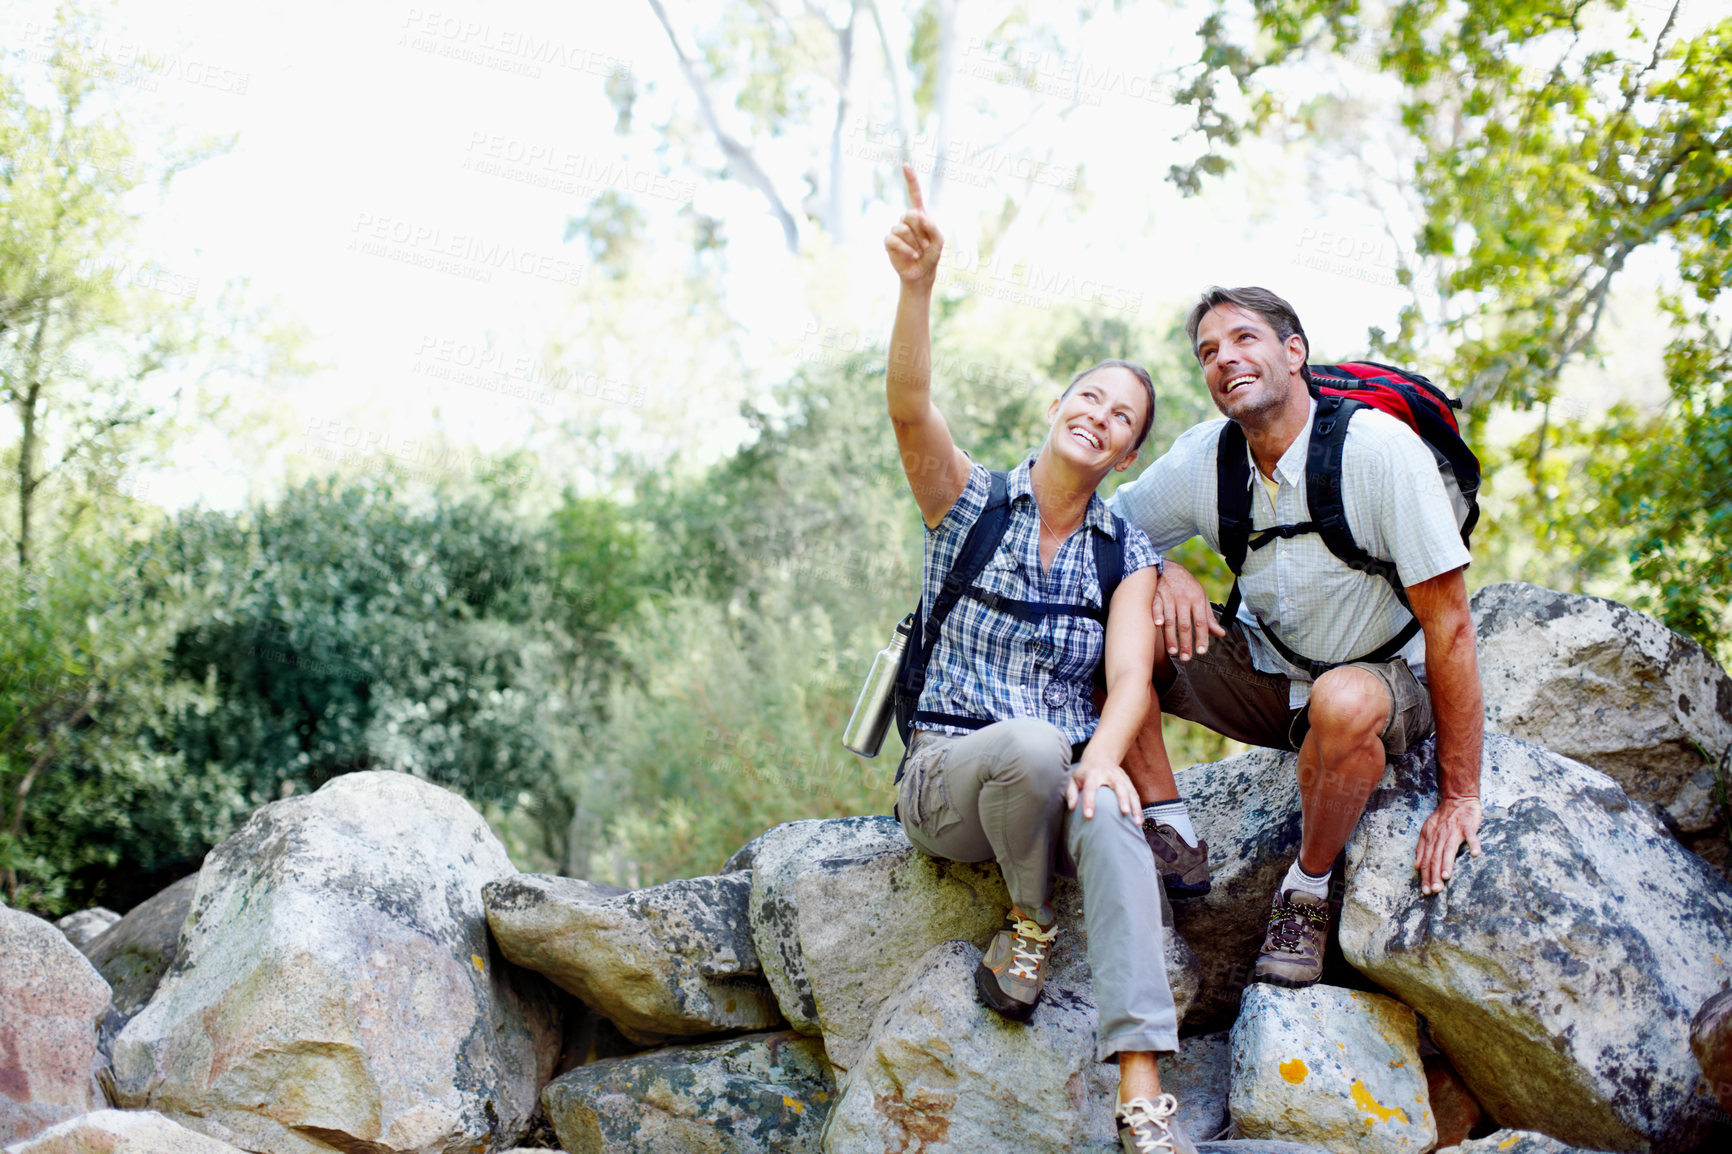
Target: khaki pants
<point>997,794</point>
<point>1221,690</point>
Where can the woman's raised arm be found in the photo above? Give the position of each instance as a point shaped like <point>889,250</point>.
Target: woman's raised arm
<point>937,470</point>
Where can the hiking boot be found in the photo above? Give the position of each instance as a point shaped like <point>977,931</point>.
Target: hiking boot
<point>1013,968</point>
<point>1147,1127</point>
<point>1293,949</point>
<point>1183,868</point>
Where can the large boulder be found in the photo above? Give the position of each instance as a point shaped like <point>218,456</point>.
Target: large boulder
<point>336,985</point>
<point>121,1132</point>
<point>50,1000</point>
<point>1559,971</point>
<point>861,922</point>
<point>1331,1067</point>
<point>1247,808</point>
<point>938,1067</point>
<point>85,926</point>
<point>941,1073</point>
<point>664,961</point>
<point>135,952</point>
<point>1612,688</point>
<point>776,859</point>
<point>760,1094</point>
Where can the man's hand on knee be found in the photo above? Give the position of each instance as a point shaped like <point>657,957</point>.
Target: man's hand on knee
<point>1454,821</point>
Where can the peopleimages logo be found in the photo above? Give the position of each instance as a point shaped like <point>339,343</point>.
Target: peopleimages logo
<point>501,47</point>
<point>549,165</point>
<point>458,253</point>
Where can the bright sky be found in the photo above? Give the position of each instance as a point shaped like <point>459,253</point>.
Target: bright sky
<point>381,167</point>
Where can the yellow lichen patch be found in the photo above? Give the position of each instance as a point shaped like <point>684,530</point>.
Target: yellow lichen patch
<point>793,1105</point>
<point>479,964</point>
<point>1362,1098</point>
<point>1510,1141</point>
<point>1294,1071</point>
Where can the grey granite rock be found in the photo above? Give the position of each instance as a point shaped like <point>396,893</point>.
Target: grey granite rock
<point>663,961</point>
<point>1560,970</point>
<point>336,985</point>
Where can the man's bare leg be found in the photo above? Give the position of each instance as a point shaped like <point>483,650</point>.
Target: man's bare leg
<point>1146,762</point>
<point>1340,762</point>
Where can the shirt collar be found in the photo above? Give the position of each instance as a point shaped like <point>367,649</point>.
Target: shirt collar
<point>1291,467</point>
<point>1098,516</point>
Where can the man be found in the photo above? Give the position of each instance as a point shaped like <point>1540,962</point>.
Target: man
<point>1354,714</point>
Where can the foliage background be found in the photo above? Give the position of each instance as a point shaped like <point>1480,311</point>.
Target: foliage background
<point>631,637</point>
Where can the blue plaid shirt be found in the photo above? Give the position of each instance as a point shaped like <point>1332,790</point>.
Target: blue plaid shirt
<point>989,664</point>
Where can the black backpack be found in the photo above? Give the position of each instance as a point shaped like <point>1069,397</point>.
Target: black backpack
<point>1341,391</point>
<point>977,549</point>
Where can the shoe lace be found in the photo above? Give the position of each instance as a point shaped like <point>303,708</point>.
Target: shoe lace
<point>1287,925</point>
<point>1028,946</point>
<point>1148,1122</point>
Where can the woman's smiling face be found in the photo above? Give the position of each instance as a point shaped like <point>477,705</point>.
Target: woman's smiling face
<point>1097,422</point>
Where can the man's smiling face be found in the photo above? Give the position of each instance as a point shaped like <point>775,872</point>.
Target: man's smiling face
<point>1248,369</point>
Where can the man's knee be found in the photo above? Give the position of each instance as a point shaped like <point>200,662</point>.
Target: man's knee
<point>1032,752</point>
<point>1349,704</point>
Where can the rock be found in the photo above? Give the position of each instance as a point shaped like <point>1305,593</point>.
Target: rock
<point>779,856</point>
<point>942,1073</point>
<point>1332,1067</point>
<point>1453,1105</point>
<point>1559,971</point>
<point>862,923</point>
<point>1247,809</point>
<point>1515,1142</point>
<point>760,1094</point>
<point>1257,1146</point>
<point>336,985</point>
<point>668,960</point>
<point>80,928</point>
<point>50,1000</point>
<point>1612,688</point>
<point>137,950</point>
<point>121,1132</point>
<point>1198,1078</point>
<point>1711,1040</point>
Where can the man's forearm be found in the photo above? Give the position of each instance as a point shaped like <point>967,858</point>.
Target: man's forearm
<point>1458,704</point>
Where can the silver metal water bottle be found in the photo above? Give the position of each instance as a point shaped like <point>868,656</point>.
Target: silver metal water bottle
<point>871,718</point>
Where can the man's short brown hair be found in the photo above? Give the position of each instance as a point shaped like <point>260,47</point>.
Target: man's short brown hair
<point>1261,301</point>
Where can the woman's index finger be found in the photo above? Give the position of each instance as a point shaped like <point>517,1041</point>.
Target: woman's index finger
<point>914,197</point>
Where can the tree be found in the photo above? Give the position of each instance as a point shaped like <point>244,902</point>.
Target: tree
<point>1548,146</point>
<point>85,328</point>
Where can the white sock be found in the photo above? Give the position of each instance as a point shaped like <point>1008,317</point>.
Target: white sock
<point>1298,879</point>
<point>1175,814</point>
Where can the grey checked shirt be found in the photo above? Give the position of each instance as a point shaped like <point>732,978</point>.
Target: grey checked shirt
<point>1399,507</point>
<point>991,665</point>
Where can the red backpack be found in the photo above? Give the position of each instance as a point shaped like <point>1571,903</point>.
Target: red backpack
<point>1341,391</point>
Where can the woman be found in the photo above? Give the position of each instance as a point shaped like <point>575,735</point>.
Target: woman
<point>991,771</point>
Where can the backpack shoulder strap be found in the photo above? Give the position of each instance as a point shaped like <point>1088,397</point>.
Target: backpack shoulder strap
<point>1323,472</point>
<point>1110,562</point>
<point>977,549</point>
<point>1233,495</point>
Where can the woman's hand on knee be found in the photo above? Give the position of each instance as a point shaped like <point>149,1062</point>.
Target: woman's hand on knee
<point>1088,776</point>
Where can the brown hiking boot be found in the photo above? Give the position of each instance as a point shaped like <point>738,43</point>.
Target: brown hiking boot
<point>1013,969</point>
<point>1183,868</point>
<point>1147,1127</point>
<point>1293,949</point>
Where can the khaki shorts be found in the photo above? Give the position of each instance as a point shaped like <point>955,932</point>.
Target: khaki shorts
<point>1221,690</point>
